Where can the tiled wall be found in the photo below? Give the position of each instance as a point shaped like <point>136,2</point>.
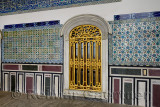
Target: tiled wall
<point>34,24</point>
<point>135,42</point>
<point>19,6</point>
<point>137,15</point>
<point>38,42</point>
<point>31,43</point>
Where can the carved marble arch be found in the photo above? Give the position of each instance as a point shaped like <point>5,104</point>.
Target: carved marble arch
<point>105,30</point>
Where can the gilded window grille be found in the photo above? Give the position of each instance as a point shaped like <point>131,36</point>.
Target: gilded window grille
<point>85,58</point>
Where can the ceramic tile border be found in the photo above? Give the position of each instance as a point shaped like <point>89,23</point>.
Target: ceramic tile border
<point>134,20</point>
<point>33,24</point>
<point>57,5</point>
<point>137,15</point>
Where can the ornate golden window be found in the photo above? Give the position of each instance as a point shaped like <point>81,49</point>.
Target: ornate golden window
<point>85,58</point>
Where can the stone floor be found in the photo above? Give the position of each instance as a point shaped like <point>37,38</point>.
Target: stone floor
<point>9,99</point>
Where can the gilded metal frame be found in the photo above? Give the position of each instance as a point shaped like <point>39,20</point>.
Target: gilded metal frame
<point>85,58</point>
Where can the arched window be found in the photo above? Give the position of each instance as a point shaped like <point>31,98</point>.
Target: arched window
<point>86,55</point>
<point>85,58</point>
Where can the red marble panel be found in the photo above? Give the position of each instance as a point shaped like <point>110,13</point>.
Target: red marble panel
<point>156,96</point>
<point>51,68</point>
<point>29,84</point>
<point>116,91</point>
<point>153,72</point>
<point>10,67</point>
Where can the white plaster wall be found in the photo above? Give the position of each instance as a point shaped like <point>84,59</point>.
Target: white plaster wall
<point>104,10</point>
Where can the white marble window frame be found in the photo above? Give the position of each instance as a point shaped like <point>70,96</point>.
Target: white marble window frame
<point>103,25</point>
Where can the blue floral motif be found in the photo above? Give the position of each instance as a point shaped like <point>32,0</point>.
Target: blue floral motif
<point>32,44</point>
<point>139,46</point>
<point>19,6</point>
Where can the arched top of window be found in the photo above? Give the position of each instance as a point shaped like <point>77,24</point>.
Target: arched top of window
<point>88,31</point>
<point>86,19</point>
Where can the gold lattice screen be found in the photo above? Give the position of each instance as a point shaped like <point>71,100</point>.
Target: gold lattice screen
<point>85,58</point>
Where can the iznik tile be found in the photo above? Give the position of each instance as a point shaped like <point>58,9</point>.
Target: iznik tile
<point>137,15</point>
<point>135,43</point>
<point>35,24</point>
<point>41,44</point>
<point>19,6</point>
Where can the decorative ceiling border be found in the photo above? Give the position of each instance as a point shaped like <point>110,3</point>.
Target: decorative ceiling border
<point>33,24</point>
<point>137,15</point>
<point>133,20</point>
<point>22,6</point>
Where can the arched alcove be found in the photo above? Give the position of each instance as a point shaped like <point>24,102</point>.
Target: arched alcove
<point>87,19</point>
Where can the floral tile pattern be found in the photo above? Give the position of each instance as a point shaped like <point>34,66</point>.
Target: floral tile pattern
<point>19,6</point>
<point>32,45</point>
<point>136,42</point>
